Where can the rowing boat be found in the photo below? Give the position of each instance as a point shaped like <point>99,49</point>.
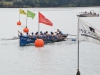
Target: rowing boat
<point>23,40</point>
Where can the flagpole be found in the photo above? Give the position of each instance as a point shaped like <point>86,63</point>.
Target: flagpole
<point>19,15</point>
<point>26,20</point>
<point>78,72</point>
<point>38,25</point>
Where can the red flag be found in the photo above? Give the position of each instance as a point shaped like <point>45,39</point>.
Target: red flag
<point>44,20</point>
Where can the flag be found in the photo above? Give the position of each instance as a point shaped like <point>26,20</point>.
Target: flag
<point>30,14</point>
<point>88,33</point>
<point>22,12</point>
<point>44,20</point>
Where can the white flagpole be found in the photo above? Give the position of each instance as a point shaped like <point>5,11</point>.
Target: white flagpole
<point>19,15</point>
<point>38,25</point>
<point>26,20</point>
<point>78,72</point>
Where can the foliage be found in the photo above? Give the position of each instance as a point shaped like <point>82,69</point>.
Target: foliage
<point>54,3</point>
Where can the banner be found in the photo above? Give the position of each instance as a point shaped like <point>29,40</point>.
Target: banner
<point>44,20</point>
<point>30,14</point>
<point>88,33</point>
<point>22,11</point>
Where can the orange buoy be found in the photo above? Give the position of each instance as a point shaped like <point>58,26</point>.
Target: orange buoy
<point>26,30</point>
<point>19,23</point>
<point>39,42</point>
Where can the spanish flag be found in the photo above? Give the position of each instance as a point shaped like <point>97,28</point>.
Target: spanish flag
<point>22,12</point>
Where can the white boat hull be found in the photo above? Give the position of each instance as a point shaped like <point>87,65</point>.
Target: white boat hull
<point>89,15</point>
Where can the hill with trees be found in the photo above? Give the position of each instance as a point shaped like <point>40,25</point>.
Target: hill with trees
<point>48,3</point>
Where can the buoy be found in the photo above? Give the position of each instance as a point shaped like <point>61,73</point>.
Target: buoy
<point>39,42</point>
<point>26,30</point>
<point>19,23</point>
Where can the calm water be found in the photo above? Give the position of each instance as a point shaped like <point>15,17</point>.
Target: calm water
<point>52,59</point>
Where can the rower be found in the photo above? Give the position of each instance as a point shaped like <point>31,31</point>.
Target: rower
<point>20,33</point>
<point>37,35</point>
<point>41,35</point>
<point>32,35</point>
<point>27,35</point>
<point>52,35</point>
<point>47,35</point>
<point>44,35</point>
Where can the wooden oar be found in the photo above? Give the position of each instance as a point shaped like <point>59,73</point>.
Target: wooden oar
<point>14,38</point>
<point>72,35</point>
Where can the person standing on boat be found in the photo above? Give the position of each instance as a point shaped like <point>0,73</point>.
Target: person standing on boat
<point>60,34</point>
<point>59,31</point>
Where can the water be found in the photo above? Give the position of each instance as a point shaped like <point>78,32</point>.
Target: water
<point>53,59</point>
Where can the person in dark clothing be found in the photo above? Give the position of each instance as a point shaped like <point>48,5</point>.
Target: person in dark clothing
<point>59,31</point>
<point>20,33</point>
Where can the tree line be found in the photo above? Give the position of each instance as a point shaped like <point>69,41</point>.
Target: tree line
<point>51,3</point>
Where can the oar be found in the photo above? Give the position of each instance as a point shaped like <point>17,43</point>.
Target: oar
<point>72,35</point>
<point>14,38</point>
